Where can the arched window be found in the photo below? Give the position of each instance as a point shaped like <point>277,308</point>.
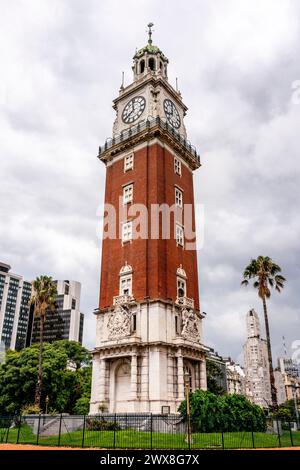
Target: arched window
<point>142,66</point>
<point>151,63</point>
<point>126,280</point>
<point>181,287</point>
<point>181,282</point>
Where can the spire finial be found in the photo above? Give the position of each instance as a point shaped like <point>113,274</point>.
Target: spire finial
<point>150,25</point>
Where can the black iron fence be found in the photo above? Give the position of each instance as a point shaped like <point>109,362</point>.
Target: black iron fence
<point>139,431</point>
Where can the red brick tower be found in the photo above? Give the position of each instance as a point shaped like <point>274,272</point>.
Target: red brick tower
<point>148,321</point>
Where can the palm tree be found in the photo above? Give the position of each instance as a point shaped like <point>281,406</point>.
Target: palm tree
<point>43,299</point>
<point>266,274</point>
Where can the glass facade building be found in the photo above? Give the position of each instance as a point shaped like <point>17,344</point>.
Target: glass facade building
<point>15,294</point>
<point>66,321</point>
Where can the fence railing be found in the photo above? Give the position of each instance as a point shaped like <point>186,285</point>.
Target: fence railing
<point>139,431</point>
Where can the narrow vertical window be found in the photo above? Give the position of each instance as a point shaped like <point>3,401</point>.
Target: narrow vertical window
<point>177,166</point>
<point>181,287</point>
<point>126,285</point>
<point>128,194</point>
<point>134,322</point>
<point>178,198</point>
<point>126,232</point>
<point>179,235</point>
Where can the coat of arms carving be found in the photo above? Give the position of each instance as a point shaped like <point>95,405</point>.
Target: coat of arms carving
<point>119,322</point>
<point>190,328</point>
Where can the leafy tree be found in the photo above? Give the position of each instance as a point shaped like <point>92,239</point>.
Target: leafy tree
<point>214,375</point>
<point>287,410</point>
<point>63,384</point>
<point>43,299</point>
<point>266,274</point>
<point>212,413</point>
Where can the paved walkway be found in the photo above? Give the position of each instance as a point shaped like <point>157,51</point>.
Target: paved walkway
<point>30,447</point>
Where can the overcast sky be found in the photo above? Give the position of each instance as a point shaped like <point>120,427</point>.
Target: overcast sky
<point>236,62</point>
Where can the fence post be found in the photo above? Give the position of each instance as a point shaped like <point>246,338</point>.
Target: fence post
<point>18,435</point>
<point>151,431</point>
<point>223,446</point>
<point>252,435</point>
<point>278,432</point>
<point>8,422</point>
<point>83,432</point>
<point>291,434</point>
<point>115,423</point>
<point>59,431</point>
<point>38,431</point>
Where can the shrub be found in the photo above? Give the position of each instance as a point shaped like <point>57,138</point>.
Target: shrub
<point>93,424</point>
<point>212,413</point>
<point>30,410</point>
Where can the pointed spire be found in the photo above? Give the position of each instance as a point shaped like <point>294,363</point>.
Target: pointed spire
<point>150,25</point>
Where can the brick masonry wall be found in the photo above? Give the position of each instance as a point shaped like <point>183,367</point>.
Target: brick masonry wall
<point>154,262</point>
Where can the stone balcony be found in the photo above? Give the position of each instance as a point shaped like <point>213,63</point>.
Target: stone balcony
<point>122,299</point>
<point>185,302</point>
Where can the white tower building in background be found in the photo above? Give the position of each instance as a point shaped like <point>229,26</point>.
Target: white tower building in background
<point>256,365</point>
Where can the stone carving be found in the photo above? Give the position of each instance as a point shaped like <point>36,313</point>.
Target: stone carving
<point>190,329</point>
<point>119,322</point>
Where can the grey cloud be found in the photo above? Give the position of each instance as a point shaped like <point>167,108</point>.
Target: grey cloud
<point>59,73</point>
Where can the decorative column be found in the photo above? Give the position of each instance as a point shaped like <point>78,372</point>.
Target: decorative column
<point>134,376</point>
<point>197,375</point>
<point>180,377</point>
<point>102,380</point>
<point>203,382</point>
<point>95,381</point>
<point>170,377</point>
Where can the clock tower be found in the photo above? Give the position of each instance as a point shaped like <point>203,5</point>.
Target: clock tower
<point>149,323</point>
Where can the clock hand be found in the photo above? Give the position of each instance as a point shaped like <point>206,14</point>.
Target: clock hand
<point>130,110</point>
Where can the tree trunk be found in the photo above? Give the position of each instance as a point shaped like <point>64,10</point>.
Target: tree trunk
<point>38,390</point>
<point>272,378</point>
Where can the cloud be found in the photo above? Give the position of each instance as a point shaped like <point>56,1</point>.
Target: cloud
<point>61,64</point>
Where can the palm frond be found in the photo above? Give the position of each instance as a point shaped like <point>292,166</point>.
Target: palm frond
<point>265,272</point>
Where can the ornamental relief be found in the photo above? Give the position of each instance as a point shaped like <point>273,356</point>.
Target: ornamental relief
<point>190,327</point>
<point>119,323</point>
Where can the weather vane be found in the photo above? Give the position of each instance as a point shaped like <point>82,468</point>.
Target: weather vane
<point>150,25</point>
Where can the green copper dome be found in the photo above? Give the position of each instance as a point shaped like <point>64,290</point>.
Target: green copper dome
<point>150,49</point>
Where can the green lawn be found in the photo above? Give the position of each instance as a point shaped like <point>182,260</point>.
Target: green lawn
<point>142,440</point>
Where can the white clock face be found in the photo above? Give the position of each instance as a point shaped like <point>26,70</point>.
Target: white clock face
<point>172,114</point>
<point>133,109</point>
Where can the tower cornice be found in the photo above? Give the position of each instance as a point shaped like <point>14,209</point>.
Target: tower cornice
<point>147,130</point>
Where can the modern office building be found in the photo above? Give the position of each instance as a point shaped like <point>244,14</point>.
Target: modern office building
<point>66,321</point>
<point>15,294</point>
<point>256,365</point>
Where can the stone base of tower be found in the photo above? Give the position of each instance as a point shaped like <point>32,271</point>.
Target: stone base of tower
<point>144,370</point>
